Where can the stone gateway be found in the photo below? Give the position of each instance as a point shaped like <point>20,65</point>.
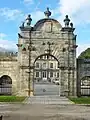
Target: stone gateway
<point>40,48</point>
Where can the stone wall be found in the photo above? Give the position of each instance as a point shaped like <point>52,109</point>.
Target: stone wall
<point>10,68</point>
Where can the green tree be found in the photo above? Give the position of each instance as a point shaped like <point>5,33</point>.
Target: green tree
<point>85,54</point>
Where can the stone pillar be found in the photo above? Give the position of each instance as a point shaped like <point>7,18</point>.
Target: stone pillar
<point>62,81</point>
<point>31,83</point>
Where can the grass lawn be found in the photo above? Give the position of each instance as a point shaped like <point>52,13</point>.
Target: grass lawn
<point>81,100</point>
<point>11,98</point>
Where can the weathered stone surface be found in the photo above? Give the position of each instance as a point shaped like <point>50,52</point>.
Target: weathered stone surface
<point>45,30</point>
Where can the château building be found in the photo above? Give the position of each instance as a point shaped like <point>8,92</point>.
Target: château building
<point>46,68</point>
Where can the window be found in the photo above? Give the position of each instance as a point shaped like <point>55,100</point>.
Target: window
<point>45,57</point>
<point>51,65</point>
<point>44,65</point>
<point>48,56</point>
<point>52,58</point>
<point>37,74</point>
<point>57,74</point>
<point>44,74</point>
<point>51,74</point>
<point>41,57</point>
<point>37,65</point>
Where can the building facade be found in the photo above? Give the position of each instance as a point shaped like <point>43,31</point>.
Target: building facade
<point>46,68</point>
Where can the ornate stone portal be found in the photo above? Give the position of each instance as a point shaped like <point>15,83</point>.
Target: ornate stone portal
<point>30,47</point>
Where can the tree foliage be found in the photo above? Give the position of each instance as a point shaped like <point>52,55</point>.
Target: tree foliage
<point>85,54</point>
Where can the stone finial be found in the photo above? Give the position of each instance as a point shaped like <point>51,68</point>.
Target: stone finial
<point>71,24</point>
<point>22,25</point>
<point>28,20</point>
<point>47,13</point>
<point>66,21</point>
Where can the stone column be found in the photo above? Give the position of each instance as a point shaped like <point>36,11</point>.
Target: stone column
<point>31,83</point>
<point>62,81</point>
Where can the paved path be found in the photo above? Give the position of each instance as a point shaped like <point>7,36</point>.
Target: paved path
<point>48,100</point>
<point>46,89</point>
<point>45,112</point>
<point>45,108</point>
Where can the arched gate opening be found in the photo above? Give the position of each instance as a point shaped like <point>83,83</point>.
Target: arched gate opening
<point>46,75</point>
<point>5,85</point>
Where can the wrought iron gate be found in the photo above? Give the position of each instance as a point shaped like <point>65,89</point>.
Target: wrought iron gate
<point>5,85</point>
<point>85,86</point>
<point>5,89</point>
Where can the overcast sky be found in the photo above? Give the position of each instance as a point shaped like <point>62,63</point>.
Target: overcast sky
<point>13,12</point>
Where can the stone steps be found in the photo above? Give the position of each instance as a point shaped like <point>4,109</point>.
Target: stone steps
<point>47,100</point>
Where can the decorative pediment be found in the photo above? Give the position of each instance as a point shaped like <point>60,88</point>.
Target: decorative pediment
<point>47,25</point>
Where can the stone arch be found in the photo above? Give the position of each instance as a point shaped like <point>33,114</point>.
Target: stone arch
<point>5,85</point>
<point>48,55</point>
<point>48,75</point>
